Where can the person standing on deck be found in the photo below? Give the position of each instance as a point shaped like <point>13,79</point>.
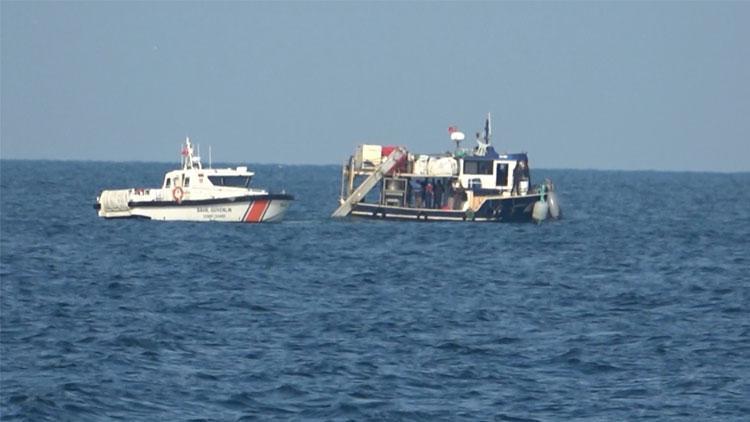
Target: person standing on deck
<point>415,199</point>
<point>460,197</point>
<point>423,193</point>
<point>520,172</point>
<point>439,194</point>
<point>429,195</point>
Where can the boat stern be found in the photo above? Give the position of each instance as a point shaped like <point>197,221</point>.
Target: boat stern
<point>113,204</point>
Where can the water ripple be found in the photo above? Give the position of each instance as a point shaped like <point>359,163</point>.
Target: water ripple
<point>633,307</point>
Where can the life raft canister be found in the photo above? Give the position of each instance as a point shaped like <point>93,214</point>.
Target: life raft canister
<point>177,194</point>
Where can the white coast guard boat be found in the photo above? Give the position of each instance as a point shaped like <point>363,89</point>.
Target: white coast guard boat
<point>194,193</point>
<point>479,184</point>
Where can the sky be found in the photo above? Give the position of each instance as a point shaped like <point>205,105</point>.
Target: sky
<point>577,85</point>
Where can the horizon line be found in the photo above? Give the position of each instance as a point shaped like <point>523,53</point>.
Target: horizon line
<point>79,160</point>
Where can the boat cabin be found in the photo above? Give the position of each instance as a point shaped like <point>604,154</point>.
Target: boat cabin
<point>492,172</point>
<point>447,181</point>
<point>239,178</point>
<point>192,174</point>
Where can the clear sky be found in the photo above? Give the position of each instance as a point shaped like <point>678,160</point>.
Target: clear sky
<point>602,85</point>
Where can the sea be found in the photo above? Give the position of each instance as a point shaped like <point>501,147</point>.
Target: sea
<point>634,306</point>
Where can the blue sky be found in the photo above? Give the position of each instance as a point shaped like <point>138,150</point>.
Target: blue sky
<point>602,85</point>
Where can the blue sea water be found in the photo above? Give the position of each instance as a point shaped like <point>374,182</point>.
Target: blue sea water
<point>634,306</point>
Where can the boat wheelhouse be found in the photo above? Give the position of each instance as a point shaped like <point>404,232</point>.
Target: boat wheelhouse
<point>465,185</point>
<point>194,193</point>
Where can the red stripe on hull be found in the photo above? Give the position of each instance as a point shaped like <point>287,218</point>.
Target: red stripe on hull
<point>247,211</point>
<point>256,211</point>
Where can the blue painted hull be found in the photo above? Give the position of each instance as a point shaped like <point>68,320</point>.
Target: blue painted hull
<point>501,210</point>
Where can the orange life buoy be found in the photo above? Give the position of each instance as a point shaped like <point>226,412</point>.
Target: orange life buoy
<point>177,194</point>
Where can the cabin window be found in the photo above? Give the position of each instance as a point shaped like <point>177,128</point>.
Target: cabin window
<point>168,183</point>
<point>501,178</point>
<point>477,167</point>
<point>187,182</point>
<point>233,181</point>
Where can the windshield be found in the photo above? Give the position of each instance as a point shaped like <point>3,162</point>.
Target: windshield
<point>233,181</point>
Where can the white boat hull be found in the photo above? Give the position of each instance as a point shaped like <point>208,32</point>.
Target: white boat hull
<point>258,209</point>
<point>193,193</point>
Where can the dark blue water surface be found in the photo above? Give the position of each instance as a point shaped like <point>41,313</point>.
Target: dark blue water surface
<point>635,306</point>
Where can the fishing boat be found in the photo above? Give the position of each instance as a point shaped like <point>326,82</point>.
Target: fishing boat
<point>478,184</point>
<point>194,193</point>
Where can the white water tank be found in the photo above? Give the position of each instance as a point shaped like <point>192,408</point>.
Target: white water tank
<point>421,165</point>
<point>367,156</point>
<point>442,167</point>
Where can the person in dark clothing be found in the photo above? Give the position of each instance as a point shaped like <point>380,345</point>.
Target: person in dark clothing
<point>408,193</point>
<point>423,195</point>
<point>439,194</point>
<point>460,198</point>
<point>415,198</point>
<point>429,195</point>
<point>520,172</point>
